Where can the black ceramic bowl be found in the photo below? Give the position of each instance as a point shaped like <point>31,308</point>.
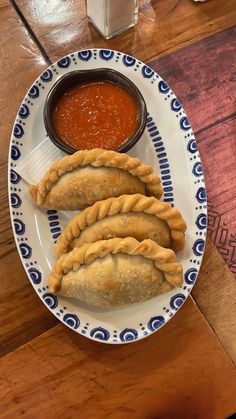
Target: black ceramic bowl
<point>88,76</point>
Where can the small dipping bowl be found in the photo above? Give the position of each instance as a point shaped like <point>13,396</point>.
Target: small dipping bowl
<point>83,77</point>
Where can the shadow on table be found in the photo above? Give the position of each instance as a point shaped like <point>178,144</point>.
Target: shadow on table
<point>171,374</point>
<point>170,342</point>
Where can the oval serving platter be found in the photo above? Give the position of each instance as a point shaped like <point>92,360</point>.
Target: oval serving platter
<point>168,144</point>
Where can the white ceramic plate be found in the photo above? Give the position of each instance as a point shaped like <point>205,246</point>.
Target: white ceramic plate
<point>168,145</point>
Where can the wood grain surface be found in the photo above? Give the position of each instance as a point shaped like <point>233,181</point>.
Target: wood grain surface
<point>22,314</point>
<point>21,62</point>
<point>214,293</point>
<point>188,72</point>
<point>203,75</point>
<point>180,372</point>
<point>164,26</point>
<point>218,151</point>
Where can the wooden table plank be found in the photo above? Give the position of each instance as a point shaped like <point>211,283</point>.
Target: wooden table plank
<point>214,293</point>
<point>181,371</point>
<point>14,332</point>
<point>218,151</point>
<point>59,373</point>
<point>22,315</point>
<point>62,27</point>
<point>202,76</point>
<point>216,287</point>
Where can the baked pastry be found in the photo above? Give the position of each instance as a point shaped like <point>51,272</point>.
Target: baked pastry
<point>135,215</point>
<point>77,181</point>
<point>115,272</point>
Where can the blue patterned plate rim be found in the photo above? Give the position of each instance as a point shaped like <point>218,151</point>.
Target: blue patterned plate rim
<point>23,228</point>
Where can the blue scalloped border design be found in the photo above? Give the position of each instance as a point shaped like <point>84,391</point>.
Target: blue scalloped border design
<point>34,271</point>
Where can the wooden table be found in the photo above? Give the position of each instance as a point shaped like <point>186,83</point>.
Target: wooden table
<point>187,369</point>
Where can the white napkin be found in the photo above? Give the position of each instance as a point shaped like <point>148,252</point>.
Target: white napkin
<point>32,167</point>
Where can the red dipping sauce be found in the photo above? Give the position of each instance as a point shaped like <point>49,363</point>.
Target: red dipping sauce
<point>93,115</point>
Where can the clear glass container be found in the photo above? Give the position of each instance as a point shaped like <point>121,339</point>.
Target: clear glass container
<point>112,17</point>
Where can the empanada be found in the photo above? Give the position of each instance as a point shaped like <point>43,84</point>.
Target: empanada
<point>115,272</point>
<point>87,176</point>
<point>135,216</point>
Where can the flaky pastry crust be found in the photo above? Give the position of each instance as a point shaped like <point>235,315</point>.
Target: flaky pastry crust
<point>163,259</point>
<point>96,158</point>
<point>123,204</point>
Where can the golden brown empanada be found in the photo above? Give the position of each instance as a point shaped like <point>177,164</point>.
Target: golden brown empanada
<point>135,216</point>
<point>87,176</point>
<point>115,272</point>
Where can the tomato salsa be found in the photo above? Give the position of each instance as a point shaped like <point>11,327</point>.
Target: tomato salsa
<point>100,114</point>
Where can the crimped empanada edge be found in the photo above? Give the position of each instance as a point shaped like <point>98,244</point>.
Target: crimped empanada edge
<point>97,158</point>
<point>164,259</point>
<point>123,204</point>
